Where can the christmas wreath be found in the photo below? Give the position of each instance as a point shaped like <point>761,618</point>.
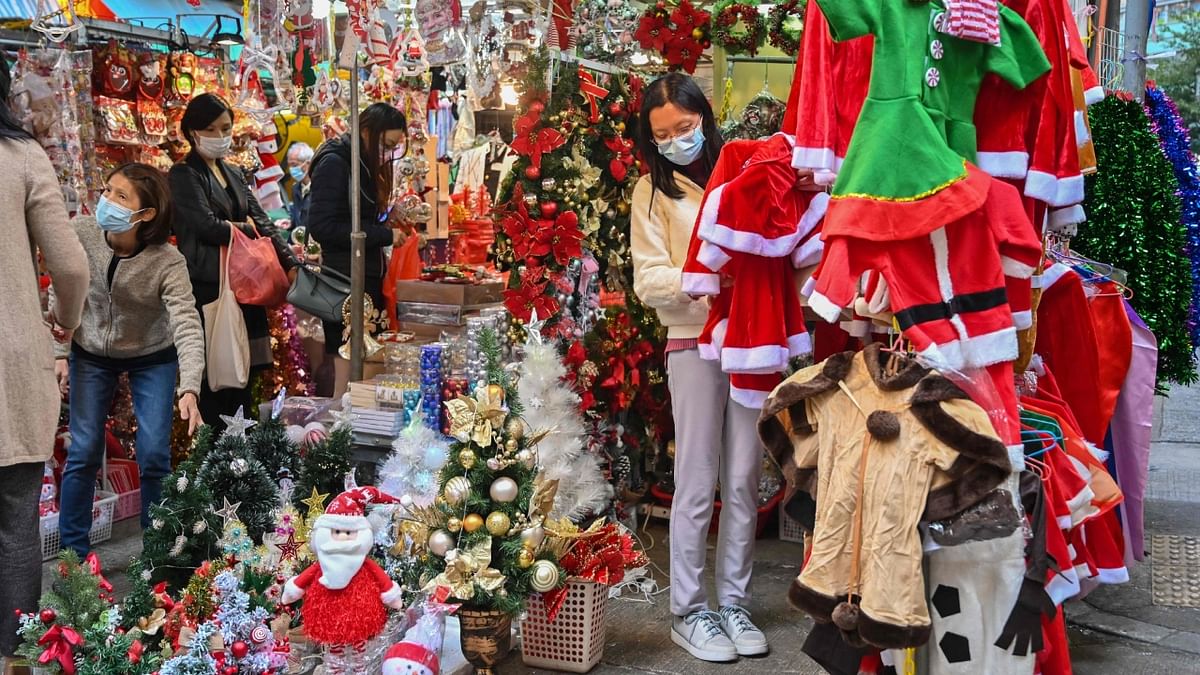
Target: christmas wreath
<point>728,16</point>
<point>680,34</point>
<point>786,22</point>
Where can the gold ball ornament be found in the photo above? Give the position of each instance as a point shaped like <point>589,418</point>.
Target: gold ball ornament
<point>544,576</point>
<point>511,446</point>
<point>698,33</point>
<point>495,393</point>
<point>454,524</point>
<point>515,429</point>
<point>623,208</point>
<point>526,458</point>
<point>620,127</point>
<point>498,524</point>
<point>524,558</point>
<point>457,490</point>
<point>472,522</point>
<point>466,458</point>
<point>533,537</point>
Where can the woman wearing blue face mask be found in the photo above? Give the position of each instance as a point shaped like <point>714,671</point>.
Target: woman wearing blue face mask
<point>714,437</point>
<point>140,318</point>
<point>299,160</point>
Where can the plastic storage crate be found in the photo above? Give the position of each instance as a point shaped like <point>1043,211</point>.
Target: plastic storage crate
<point>129,505</point>
<point>575,641</point>
<point>102,522</point>
<point>789,528</point>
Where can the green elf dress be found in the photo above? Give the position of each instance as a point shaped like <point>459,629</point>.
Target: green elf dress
<point>908,169</point>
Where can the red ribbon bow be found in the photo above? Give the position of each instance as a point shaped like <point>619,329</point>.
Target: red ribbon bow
<point>593,92</point>
<point>60,643</point>
<point>93,565</point>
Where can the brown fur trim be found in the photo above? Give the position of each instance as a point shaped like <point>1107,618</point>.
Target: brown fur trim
<point>783,414</point>
<point>817,605</point>
<point>891,636</point>
<point>982,464</point>
<point>909,374</point>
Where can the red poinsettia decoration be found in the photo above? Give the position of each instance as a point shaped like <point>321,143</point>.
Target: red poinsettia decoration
<point>532,140</point>
<point>688,18</point>
<point>601,557</point>
<point>680,35</point>
<point>560,238</point>
<point>530,296</point>
<point>652,31</point>
<point>581,373</point>
<point>619,165</point>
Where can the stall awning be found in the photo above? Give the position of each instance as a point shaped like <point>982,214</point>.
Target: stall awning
<point>18,9</point>
<point>191,24</point>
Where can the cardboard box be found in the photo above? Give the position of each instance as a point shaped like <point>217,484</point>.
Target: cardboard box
<point>464,295</point>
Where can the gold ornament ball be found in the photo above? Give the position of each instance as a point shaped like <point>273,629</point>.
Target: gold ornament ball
<point>526,458</point>
<point>466,458</point>
<point>623,208</point>
<point>454,524</point>
<point>533,537</point>
<point>544,576</point>
<point>495,393</point>
<point>515,429</point>
<point>525,558</point>
<point>511,446</point>
<point>498,524</point>
<point>698,33</point>
<point>457,489</point>
<point>472,522</point>
<point>620,126</point>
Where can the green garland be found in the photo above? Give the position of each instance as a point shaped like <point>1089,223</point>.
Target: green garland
<point>1134,223</point>
<point>779,35</point>
<point>726,16</point>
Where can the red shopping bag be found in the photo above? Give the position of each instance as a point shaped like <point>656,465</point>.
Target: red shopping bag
<point>405,264</point>
<point>255,274</point>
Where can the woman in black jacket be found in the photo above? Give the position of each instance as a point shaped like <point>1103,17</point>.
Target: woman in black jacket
<point>208,196</point>
<point>383,137</point>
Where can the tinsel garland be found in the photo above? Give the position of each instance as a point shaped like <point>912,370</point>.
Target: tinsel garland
<point>1176,144</point>
<point>1134,224</point>
<point>290,370</point>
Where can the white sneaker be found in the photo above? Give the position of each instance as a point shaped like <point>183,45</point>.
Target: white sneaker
<point>700,634</point>
<point>747,639</point>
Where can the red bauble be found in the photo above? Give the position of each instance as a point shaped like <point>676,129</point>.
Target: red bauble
<point>549,209</point>
<point>567,127</point>
<point>537,107</point>
<point>616,110</point>
<point>47,616</point>
<point>231,670</point>
<point>239,649</point>
<point>532,172</point>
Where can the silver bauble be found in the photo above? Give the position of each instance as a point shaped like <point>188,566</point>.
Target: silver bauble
<point>503,490</point>
<point>440,542</point>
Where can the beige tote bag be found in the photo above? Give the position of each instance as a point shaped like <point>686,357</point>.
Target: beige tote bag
<point>226,342</point>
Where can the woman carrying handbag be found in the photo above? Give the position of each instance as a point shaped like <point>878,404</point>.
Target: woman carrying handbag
<point>209,197</point>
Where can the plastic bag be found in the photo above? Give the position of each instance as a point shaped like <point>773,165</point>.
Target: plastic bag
<point>255,274</point>
<point>405,264</point>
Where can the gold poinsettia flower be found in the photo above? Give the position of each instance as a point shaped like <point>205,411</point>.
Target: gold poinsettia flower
<point>467,570</point>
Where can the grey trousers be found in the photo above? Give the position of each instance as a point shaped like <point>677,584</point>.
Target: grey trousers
<point>20,547</point>
<point>715,440</point>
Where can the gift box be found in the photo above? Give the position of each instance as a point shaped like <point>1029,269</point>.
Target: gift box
<point>445,293</point>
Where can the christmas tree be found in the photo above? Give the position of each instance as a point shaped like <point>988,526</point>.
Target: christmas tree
<point>139,602</point>
<point>563,453</point>
<point>183,528</point>
<point>418,454</point>
<point>484,537</point>
<point>274,450</point>
<point>231,472</point>
<point>1134,223</point>
<point>325,465</point>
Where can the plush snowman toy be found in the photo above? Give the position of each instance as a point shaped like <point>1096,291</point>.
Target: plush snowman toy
<point>418,653</point>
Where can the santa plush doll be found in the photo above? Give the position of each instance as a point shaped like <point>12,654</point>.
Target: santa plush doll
<point>346,595</point>
<point>418,653</point>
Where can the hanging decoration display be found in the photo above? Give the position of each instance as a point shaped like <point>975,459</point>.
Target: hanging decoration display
<point>727,16</point>
<point>679,32</point>
<point>785,23</point>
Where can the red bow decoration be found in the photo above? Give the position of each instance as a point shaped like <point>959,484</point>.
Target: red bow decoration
<point>92,561</point>
<point>601,558</point>
<point>619,165</point>
<point>532,140</point>
<point>592,92</point>
<point>60,643</point>
<point>135,651</point>
<point>162,598</point>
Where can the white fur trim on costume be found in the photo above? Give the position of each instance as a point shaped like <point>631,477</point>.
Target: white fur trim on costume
<point>799,345</point>
<point>334,522</point>
<point>291,592</point>
<point>760,360</point>
<point>1064,523</point>
<point>748,398</point>
<point>712,256</point>
<point>1082,135</point>
<point>992,348</point>
<point>1052,275</point>
<point>1063,586</point>
<point>708,351</point>
<point>1023,320</point>
<point>753,243</point>
<point>944,357</point>
<point>1041,186</point>
<point>393,596</point>
<point>813,158</point>
<point>1012,164</point>
<point>700,284</point>
<point>268,146</point>
<point>1094,95</point>
<point>1071,215</point>
<point>1015,268</point>
<point>1119,575</point>
<point>824,307</point>
<point>808,253</point>
<point>1070,191</point>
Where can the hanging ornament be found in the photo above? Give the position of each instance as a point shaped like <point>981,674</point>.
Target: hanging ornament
<point>549,209</point>
<point>533,537</point>
<point>466,458</point>
<point>511,446</point>
<point>239,649</point>
<point>440,542</point>
<point>472,522</point>
<point>48,616</point>
<point>498,524</point>
<point>548,184</point>
<point>457,490</point>
<point>515,429</point>
<point>454,524</point>
<point>533,172</point>
<point>524,558</point>
<point>526,458</point>
<point>531,200</point>
<point>544,576</point>
<point>503,490</point>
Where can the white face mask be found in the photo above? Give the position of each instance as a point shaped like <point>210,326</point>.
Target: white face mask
<point>213,147</point>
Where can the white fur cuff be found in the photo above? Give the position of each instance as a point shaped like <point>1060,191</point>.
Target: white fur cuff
<point>291,592</point>
<point>393,597</point>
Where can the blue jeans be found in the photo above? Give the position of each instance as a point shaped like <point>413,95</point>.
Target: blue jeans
<point>92,387</point>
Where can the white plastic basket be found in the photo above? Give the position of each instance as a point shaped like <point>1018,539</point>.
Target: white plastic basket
<point>789,528</point>
<point>129,505</point>
<point>102,522</point>
<point>575,641</point>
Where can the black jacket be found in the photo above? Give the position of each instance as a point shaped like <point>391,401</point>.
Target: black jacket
<point>200,207</point>
<point>328,218</point>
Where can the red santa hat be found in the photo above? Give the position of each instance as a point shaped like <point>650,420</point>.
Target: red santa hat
<point>348,511</point>
<point>417,657</point>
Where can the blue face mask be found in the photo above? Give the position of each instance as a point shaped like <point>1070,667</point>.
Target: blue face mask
<point>683,150</point>
<point>297,173</point>
<point>114,217</point>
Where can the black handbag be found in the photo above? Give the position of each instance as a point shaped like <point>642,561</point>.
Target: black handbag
<point>320,291</point>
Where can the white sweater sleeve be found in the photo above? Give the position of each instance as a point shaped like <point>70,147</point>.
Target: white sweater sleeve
<point>656,279</point>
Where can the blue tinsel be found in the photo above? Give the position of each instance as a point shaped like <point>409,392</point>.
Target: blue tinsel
<point>1173,135</point>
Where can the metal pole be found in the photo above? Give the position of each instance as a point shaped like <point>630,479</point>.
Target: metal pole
<point>1133,59</point>
<point>358,238</point>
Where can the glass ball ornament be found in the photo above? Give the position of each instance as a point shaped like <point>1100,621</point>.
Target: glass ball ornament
<point>466,458</point>
<point>440,541</point>
<point>498,524</point>
<point>503,490</point>
<point>457,489</point>
<point>533,537</point>
<point>511,446</point>
<point>515,429</point>
<point>454,524</point>
<point>493,464</point>
<point>543,576</point>
<point>526,458</point>
<point>549,183</point>
<point>472,522</point>
<point>406,167</point>
<point>525,558</point>
<point>421,166</point>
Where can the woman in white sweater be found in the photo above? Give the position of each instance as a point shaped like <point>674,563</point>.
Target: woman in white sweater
<point>715,438</point>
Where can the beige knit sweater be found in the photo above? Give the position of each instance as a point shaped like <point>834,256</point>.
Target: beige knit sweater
<point>148,308</point>
<point>33,218</point>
